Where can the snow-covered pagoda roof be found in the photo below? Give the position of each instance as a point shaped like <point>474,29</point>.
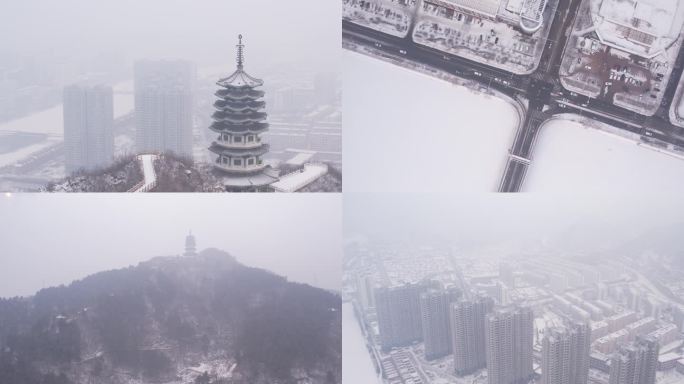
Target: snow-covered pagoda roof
<point>240,78</point>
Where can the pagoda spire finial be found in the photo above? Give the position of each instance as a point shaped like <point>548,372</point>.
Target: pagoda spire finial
<point>240,54</point>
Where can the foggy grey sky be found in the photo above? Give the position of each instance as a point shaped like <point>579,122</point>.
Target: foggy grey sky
<point>578,221</point>
<point>47,240</point>
<point>204,31</point>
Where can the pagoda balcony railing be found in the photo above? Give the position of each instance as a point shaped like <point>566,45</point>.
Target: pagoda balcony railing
<point>239,105</point>
<point>246,169</point>
<point>245,144</point>
<point>239,95</point>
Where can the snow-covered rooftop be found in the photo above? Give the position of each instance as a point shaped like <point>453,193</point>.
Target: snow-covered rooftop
<point>297,180</point>
<point>300,158</point>
<point>532,15</point>
<point>488,8</point>
<point>641,27</point>
<point>670,356</point>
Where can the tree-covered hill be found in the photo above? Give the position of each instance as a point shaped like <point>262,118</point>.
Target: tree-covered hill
<point>170,320</point>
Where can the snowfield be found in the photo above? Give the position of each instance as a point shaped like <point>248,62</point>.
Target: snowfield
<point>409,132</point>
<point>571,157</point>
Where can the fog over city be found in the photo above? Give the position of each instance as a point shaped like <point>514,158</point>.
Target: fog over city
<point>52,240</point>
<point>432,281</point>
<point>573,222</point>
<point>204,32</point>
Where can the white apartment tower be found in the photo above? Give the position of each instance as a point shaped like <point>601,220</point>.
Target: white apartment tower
<point>88,124</point>
<point>164,106</point>
<point>434,312</point>
<point>398,311</point>
<point>635,363</point>
<point>565,355</point>
<point>468,334</point>
<point>509,334</point>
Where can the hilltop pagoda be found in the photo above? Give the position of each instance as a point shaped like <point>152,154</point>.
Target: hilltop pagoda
<point>239,120</point>
<point>190,245</point>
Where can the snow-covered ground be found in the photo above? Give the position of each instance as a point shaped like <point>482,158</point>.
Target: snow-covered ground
<point>357,366</point>
<point>571,157</point>
<point>409,132</point>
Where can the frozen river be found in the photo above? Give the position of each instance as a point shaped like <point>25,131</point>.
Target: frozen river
<point>357,366</point>
<point>571,157</point>
<point>50,121</point>
<point>48,125</point>
<point>409,132</point>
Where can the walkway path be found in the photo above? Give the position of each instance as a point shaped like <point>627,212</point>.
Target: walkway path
<point>149,175</point>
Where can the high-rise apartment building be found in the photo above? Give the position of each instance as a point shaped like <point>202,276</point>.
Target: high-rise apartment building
<point>635,363</point>
<point>364,291</point>
<point>88,125</point>
<point>509,334</point>
<point>565,355</point>
<point>468,334</point>
<point>398,311</point>
<point>164,106</point>
<point>434,311</point>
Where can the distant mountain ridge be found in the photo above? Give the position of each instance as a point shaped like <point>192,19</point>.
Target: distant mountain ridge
<point>170,320</point>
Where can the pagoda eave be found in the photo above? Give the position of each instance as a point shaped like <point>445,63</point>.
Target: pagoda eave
<point>239,95</point>
<point>256,128</point>
<point>262,178</point>
<point>239,106</point>
<point>239,152</point>
<point>238,117</point>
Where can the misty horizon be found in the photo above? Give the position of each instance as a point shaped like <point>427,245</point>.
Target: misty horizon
<point>280,32</point>
<point>45,242</point>
<point>574,223</point>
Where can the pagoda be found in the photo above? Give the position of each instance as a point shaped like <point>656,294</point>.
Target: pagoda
<point>239,120</point>
<point>190,245</point>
